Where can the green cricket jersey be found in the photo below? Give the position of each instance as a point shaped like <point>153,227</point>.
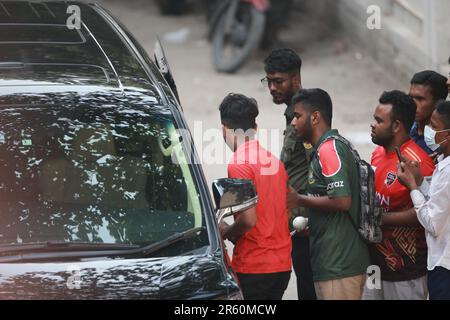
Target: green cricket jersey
<point>337,249</point>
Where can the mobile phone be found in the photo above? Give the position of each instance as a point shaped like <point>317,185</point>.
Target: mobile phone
<point>399,155</point>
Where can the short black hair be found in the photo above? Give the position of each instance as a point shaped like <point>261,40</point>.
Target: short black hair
<point>403,107</point>
<point>316,100</point>
<point>443,109</point>
<point>238,111</point>
<point>437,83</point>
<point>283,60</point>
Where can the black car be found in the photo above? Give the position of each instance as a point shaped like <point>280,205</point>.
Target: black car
<point>100,193</point>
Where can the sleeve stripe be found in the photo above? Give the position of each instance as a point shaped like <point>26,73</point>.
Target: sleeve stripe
<point>412,154</point>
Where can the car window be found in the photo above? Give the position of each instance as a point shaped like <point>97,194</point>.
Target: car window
<point>95,174</point>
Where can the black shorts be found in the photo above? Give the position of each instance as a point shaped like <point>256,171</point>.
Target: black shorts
<point>264,286</point>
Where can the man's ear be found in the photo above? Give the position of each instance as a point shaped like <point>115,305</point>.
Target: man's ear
<point>225,128</point>
<point>448,133</point>
<point>231,131</point>
<point>296,81</point>
<point>315,117</point>
<point>397,125</point>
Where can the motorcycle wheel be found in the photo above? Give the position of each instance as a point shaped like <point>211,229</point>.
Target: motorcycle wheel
<point>230,51</point>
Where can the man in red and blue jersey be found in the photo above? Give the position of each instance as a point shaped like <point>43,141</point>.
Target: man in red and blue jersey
<point>402,254</point>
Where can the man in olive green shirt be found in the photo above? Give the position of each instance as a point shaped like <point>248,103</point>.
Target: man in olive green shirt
<point>283,79</point>
<point>339,256</point>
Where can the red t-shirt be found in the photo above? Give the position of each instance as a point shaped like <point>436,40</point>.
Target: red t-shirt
<point>402,255</point>
<point>266,248</point>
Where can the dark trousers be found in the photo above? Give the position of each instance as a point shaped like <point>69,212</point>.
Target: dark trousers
<point>264,286</point>
<point>439,284</point>
<point>301,262</point>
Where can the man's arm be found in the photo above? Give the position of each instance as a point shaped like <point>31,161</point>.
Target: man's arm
<point>244,221</point>
<point>243,224</point>
<point>406,218</point>
<point>433,214</point>
<point>343,203</point>
<point>335,174</point>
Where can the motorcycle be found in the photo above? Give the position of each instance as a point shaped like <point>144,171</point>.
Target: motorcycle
<point>237,28</point>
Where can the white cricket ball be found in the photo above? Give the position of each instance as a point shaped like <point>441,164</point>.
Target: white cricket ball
<point>300,223</point>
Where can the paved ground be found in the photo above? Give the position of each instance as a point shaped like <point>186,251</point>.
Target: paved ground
<point>353,79</point>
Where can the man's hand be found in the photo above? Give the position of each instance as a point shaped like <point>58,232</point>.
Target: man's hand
<point>243,223</point>
<point>407,174</point>
<point>292,199</point>
<point>414,167</point>
<point>223,227</point>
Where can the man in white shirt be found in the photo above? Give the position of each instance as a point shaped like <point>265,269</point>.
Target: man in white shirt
<point>432,202</point>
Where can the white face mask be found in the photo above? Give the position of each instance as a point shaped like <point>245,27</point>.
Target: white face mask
<point>430,138</point>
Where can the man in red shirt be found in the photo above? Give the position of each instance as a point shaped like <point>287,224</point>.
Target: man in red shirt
<point>262,252</point>
<point>402,255</point>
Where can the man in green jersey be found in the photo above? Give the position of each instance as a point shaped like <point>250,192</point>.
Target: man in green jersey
<point>339,256</point>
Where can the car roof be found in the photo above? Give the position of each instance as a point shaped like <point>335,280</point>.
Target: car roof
<point>42,53</point>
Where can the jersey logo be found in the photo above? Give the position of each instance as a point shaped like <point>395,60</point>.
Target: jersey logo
<point>329,159</point>
<point>307,145</point>
<point>390,179</point>
<point>311,179</point>
<point>333,185</point>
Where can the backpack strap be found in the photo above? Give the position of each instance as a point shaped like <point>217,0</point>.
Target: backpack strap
<point>346,142</point>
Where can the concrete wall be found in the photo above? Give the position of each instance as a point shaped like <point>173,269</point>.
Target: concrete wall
<point>414,34</point>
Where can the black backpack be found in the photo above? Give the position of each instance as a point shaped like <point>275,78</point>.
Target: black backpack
<point>369,226</point>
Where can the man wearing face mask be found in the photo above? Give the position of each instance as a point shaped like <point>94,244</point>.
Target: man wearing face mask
<point>431,202</point>
<point>428,88</point>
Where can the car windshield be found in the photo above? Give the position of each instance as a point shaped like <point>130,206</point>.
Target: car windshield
<point>94,174</point>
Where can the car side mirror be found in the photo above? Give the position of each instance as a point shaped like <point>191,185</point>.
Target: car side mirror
<point>232,196</point>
